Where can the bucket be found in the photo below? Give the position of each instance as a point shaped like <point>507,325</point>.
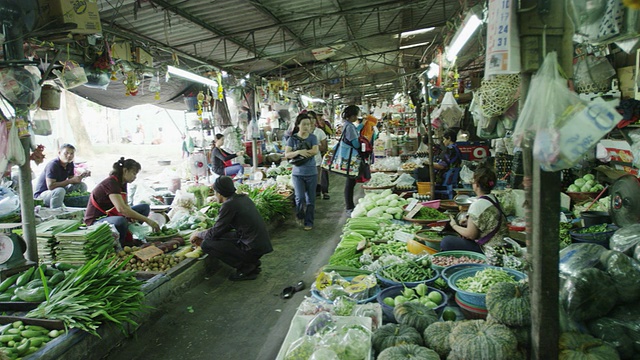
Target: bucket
<point>168,199</point>
<point>424,188</point>
<point>590,218</point>
<point>50,98</point>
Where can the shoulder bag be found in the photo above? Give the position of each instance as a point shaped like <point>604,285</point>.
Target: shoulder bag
<point>485,239</point>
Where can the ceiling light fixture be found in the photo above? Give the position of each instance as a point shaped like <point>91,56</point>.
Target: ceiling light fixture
<point>413,45</point>
<point>191,76</point>
<point>407,34</point>
<point>469,26</point>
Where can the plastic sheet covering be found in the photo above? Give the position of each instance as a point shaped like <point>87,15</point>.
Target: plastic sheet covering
<point>625,273</point>
<point>4,139</point>
<point>15,151</point>
<point>302,348</point>
<point>576,257</point>
<point>620,328</point>
<point>9,201</point>
<point>19,86</point>
<point>588,294</point>
<point>626,239</point>
<point>324,354</point>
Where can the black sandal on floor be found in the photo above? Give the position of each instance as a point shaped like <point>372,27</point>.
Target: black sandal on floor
<point>288,292</point>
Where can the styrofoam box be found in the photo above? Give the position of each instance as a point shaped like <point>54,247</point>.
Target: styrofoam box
<point>299,324</point>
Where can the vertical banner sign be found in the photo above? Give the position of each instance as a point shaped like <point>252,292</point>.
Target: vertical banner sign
<point>503,44</point>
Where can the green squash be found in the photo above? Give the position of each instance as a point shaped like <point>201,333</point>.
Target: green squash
<point>588,294</point>
<point>415,315</point>
<point>576,346</point>
<point>436,337</point>
<point>394,334</point>
<point>478,339</point>
<point>408,351</point>
<point>509,303</point>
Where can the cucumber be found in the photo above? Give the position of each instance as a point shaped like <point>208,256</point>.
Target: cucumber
<point>56,279</point>
<point>5,297</point>
<point>54,333</point>
<point>38,341</point>
<point>24,278</point>
<point>31,295</point>
<point>8,282</point>
<point>34,284</point>
<point>30,333</point>
<point>36,273</point>
<point>22,349</point>
<point>17,324</point>
<point>37,328</point>
<point>64,266</point>
<point>9,337</point>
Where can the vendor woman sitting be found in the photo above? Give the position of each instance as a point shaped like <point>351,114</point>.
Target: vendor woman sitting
<point>487,224</point>
<point>108,201</point>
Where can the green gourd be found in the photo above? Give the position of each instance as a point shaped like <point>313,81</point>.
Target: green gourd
<point>576,346</point>
<point>408,351</point>
<point>509,303</point>
<point>394,334</point>
<point>436,337</point>
<point>478,339</point>
<point>416,315</point>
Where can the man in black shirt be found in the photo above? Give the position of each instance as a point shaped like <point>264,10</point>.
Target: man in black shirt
<point>239,237</point>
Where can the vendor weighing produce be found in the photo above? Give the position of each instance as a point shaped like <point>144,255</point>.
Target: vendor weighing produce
<point>239,238</point>
<point>107,202</point>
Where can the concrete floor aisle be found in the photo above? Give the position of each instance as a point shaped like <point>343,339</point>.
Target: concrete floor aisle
<point>224,320</point>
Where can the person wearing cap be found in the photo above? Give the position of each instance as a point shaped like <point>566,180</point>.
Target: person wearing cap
<point>58,178</point>
<point>239,237</point>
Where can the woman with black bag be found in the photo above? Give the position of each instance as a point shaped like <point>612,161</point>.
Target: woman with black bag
<point>350,137</point>
<point>300,150</point>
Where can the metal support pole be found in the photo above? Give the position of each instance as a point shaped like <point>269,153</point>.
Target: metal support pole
<point>27,205</point>
<point>427,97</point>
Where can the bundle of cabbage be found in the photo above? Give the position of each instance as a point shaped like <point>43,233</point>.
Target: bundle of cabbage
<point>586,183</point>
<point>385,205</point>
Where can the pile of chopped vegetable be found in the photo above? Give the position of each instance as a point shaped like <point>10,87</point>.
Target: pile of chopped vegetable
<point>427,213</point>
<point>594,229</point>
<point>483,280</point>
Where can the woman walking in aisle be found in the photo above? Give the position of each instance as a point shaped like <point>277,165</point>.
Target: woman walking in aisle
<point>350,143</point>
<point>300,150</point>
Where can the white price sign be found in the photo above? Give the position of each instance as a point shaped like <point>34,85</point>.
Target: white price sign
<point>503,46</point>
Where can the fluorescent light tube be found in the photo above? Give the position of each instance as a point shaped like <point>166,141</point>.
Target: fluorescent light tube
<point>191,76</point>
<point>413,45</point>
<point>406,34</point>
<point>463,35</point>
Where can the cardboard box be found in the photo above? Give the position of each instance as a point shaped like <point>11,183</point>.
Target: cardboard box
<point>83,13</point>
<point>143,57</point>
<point>619,151</point>
<point>627,78</point>
<point>121,49</point>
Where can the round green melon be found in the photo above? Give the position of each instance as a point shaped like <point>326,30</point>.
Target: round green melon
<point>408,351</point>
<point>478,339</point>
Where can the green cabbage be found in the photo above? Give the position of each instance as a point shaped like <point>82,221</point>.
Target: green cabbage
<point>573,188</point>
<point>588,177</point>
<point>579,182</point>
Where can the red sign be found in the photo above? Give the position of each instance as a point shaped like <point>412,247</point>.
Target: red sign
<point>474,152</point>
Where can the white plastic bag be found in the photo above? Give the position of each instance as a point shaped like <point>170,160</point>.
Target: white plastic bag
<point>449,111</point>
<point>15,151</point>
<point>466,175</point>
<point>562,126</point>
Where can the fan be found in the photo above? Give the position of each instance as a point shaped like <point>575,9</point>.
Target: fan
<point>198,165</point>
<point>625,201</point>
<point>24,13</point>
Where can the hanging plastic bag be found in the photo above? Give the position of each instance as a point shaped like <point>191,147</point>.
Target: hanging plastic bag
<point>19,86</point>
<point>4,140</point>
<point>449,112</point>
<point>562,126</point>
<point>72,75</point>
<point>15,151</point>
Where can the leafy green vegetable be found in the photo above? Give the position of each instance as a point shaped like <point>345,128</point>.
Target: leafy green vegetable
<point>428,213</point>
<point>483,280</point>
<point>77,193</point>
<point>593,229</point>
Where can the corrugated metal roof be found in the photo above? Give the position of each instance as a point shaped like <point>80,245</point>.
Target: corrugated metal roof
<point>277,38</point>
